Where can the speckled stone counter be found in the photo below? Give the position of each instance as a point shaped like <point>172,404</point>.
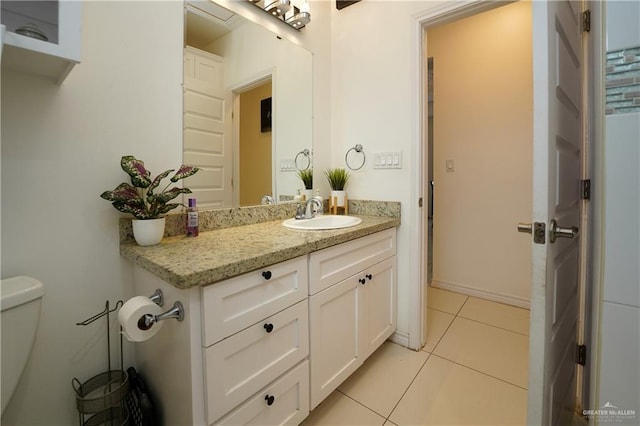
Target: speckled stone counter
<point>226,252</point>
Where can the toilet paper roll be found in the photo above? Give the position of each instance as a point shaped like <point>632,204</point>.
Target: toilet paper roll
<point>131,318</point>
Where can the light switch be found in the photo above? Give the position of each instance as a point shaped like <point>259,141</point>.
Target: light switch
<point>450,167</point>
<point>387,160</point>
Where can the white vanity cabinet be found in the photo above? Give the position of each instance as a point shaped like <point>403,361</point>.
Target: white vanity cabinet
<point>352,307</point>
<point>59,21</point>
<point>266,346</point>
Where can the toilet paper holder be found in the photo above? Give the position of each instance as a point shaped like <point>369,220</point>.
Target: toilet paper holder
<point>177,311</point>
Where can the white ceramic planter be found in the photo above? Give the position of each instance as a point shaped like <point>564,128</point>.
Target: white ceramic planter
<point>339,197</point>
<point>148,232</point>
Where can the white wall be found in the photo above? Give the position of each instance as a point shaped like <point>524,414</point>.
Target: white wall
<point>619,373</point>
<point>61,147</point>
<point>371,49</point>
<point>483,122</point>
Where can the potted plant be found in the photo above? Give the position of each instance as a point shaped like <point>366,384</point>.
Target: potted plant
<point>307,179</point>
<point>141,198</point>
<point>338,179</point>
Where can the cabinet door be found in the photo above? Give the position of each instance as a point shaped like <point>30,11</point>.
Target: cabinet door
<point>378,297</point>
<point>333,319</point>
<point>284,402</point>
<point>237,367</point>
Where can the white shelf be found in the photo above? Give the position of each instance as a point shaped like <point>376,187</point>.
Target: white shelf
<point>53,61</point>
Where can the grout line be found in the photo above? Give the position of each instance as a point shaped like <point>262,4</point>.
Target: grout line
<point>481,372</point>
<point>493,325</point>
<point>409,385</point>
<point>360,403</point>
<point>462,306</point>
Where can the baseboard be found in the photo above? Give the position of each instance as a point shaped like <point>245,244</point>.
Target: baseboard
<point>482,294</point>
<point>401,338</point>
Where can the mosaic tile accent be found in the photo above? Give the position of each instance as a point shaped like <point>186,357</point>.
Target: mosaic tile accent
<point>623,81</point>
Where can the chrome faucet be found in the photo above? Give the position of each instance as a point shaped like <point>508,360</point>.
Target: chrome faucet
<point>307,210</point>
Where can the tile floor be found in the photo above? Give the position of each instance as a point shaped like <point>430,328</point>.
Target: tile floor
<point>472,371</point>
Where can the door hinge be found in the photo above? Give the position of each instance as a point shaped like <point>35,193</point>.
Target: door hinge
<point>581,354</point>
<point>586,21</point>
<point>420,202</point>
<point>585,189</point>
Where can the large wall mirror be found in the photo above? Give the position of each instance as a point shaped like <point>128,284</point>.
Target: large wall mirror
<point>247,109</point>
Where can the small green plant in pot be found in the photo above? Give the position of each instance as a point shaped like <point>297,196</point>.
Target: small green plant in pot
<point>141,197</point>
<point>338,179</point>
<point>306,176</point>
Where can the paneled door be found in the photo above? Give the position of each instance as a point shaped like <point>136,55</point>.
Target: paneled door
<point>557,155</point>
<point>207,132</point>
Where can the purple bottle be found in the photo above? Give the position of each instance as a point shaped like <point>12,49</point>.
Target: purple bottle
<point>192,218</point>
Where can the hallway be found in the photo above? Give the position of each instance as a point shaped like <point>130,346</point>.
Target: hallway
<point>472,371</point>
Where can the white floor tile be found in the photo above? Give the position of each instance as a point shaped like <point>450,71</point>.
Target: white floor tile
<point>437,324</point>
<point>340,410</point>
<point>496,314</point>
<point>445,393</point>
<point>384,377</point>
<point>494,351</point>
<point>445,301</point>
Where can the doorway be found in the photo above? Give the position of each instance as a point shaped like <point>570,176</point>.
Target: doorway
<point>480,136</point>
<point>556,102</point>
<point>255,144</point>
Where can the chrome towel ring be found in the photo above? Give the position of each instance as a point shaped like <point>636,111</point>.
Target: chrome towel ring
<point>306,154</point>
<point>358,149</point>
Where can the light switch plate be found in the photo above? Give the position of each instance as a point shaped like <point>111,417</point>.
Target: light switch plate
<point>387,160</point>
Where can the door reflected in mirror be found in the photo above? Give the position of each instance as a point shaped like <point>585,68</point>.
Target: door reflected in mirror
<point>231,66</point>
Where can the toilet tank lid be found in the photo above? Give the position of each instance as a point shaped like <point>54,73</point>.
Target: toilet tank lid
<point>19,290</point>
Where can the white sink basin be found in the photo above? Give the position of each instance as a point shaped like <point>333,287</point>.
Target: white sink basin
<point>322,222</point>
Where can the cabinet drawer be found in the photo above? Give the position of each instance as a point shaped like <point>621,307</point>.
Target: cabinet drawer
<point>334,264</point>
<point>290,403</point>
<point>235,304</point>
<point>237,367</point>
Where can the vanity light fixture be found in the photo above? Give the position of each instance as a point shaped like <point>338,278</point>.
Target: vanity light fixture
<point>299,20</point>
<point>278,7</point>
<point>293,12</point>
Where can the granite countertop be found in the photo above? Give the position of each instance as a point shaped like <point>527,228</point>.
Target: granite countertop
<point>223,253</point>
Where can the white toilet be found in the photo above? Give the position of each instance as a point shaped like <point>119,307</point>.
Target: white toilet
<point>20,299</point>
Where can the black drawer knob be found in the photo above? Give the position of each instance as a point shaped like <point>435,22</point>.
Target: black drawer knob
<point>269,328</point>
<point>362,281</point>
<point>369,276</point>
<point>266,275</point>
<point>270,399</point>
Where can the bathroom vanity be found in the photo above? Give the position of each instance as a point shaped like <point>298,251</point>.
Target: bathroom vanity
<point>275,318</point>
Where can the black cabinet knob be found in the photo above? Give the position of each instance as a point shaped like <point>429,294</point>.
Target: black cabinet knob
<point>266,275</point>
<point>268,327</point>
<point>270,399</point>
<point>362,281</point>
<point>369,276</point>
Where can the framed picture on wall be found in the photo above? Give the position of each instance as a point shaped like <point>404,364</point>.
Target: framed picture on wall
<point>265,115</point>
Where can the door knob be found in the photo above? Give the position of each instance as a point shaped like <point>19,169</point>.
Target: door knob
<point>556,232</point>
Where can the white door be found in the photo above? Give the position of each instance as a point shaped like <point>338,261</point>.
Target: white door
<point>557,152</point>
<point>207,129</point>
